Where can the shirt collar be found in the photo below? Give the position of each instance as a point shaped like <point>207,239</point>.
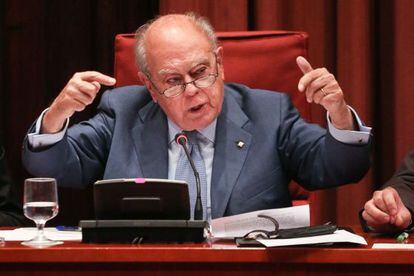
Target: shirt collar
<point>208,132</point>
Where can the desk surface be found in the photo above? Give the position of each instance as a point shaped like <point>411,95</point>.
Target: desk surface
<point>208,257</point>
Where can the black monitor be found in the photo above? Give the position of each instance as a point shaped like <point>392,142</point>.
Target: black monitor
<point>141,198</point>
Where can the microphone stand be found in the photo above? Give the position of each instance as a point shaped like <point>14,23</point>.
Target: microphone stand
<point>182,139</point>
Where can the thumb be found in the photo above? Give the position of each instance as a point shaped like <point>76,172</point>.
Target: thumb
<point>303,64</point>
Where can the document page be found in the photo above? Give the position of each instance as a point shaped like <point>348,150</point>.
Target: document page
<point>340,236</point>
<point>25,234</point>
<point>239,225</point>
<point>393,246</point>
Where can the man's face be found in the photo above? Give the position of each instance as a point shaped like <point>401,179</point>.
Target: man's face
<point>179,55</point>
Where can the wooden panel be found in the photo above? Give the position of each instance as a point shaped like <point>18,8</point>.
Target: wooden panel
<point>224,15</point>
<point>354,64</point>
<point>403,78</point>
<point>206,258</point>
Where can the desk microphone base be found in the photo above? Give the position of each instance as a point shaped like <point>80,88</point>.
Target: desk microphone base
<point>142,231</point>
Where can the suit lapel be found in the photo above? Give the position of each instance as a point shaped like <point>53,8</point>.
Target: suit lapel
<point>150,137</point>
<point>231,147</point>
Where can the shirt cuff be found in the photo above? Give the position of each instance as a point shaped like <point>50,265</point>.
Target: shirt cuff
<point>37,140</point>
<point>350,136</point>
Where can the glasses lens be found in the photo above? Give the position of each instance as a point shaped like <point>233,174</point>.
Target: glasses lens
<point>174,91</point>
<point>203,82</point>
<point>206,81</point>
<point>255,234</point>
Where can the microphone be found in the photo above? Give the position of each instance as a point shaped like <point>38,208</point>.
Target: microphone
<point>182,140</point>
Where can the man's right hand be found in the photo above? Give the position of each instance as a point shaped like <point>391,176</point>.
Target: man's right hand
<point>385,212</point>
<point>78,93</point>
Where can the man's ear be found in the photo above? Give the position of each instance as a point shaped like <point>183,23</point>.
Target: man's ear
<point>144,79</point>
<point>219,54</point>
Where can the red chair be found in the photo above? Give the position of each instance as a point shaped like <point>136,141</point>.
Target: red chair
<point>259,59</point>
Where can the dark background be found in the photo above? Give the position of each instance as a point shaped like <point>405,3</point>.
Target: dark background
<point>43,43</point>
<point>367,44</point>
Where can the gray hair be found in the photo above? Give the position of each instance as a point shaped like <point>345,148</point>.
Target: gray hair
<point>199,22</point>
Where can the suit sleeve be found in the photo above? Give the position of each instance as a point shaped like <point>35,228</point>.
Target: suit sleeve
<point>314,158</point>
<point>403,181</point>
<point>79,158</point>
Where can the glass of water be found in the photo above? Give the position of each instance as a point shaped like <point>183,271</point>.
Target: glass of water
<point>40,204</point>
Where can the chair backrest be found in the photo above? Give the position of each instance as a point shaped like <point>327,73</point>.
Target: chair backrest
<point>259,59</point>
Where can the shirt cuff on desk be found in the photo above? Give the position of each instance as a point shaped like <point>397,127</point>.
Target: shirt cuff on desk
<point>38,140</point>
<point>350,136</point>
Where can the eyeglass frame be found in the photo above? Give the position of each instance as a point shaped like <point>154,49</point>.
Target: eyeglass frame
<point>184,85</point>
<point>299,232</point>
<point>261,233</point>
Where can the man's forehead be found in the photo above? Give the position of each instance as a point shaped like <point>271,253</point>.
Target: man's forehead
<point>189,62</point>
<point>175,30</point>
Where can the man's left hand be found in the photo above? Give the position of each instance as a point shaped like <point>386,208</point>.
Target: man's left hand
<point>321,87</point>
<point>385,211</point>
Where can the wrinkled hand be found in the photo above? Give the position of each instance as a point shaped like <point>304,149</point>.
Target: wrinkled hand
<point>78,93</point>
<point>385,212</point>
<point>321,87</point>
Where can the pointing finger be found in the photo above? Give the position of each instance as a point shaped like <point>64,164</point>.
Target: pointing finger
<point>86,87</point>
<point>92,76</point>
<point>96,84</point>
<point>303,64</point>
<point>305,67</point>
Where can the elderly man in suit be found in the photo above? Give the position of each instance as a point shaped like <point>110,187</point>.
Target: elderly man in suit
<point>251,142</point>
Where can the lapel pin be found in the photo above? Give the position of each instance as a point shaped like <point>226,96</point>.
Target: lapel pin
<point>240,144</point>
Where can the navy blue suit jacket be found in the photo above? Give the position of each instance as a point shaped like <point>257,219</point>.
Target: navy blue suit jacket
<point>129,138</point>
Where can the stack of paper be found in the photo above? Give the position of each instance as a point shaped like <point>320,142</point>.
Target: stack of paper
<point>239,225</point>
<point>25,234</point>
<point>292,217</point>
<point>340,236</point>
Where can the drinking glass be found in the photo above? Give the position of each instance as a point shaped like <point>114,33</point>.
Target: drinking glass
<point>40,204</point>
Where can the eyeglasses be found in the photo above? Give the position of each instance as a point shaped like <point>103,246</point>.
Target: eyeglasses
<point>299,232</point>
<point>201,82</point>
<point>265,234</point>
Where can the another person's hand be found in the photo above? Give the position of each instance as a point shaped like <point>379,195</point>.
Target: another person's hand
<point>385,212</point>
<point>78,93</point>
<point>321,87</point>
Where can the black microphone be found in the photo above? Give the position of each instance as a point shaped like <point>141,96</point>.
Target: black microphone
<point>182,140</point>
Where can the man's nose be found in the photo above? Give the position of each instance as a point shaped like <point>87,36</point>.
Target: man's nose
<point>191,89</point>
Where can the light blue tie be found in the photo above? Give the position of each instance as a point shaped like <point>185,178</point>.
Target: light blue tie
<point>185,172</point>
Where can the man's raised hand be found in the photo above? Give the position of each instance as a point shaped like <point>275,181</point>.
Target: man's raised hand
<point>321,87</point>
<point>78,93</point>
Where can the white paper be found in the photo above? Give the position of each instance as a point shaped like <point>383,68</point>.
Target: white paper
<point>393,246</point>
<point>239,225</point>
<point>337,237</point>
<point>25,234</point>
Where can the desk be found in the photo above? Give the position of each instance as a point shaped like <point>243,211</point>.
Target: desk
<point>205,259</point>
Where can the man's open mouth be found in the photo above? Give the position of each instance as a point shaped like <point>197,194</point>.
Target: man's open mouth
<point>196,108</point>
